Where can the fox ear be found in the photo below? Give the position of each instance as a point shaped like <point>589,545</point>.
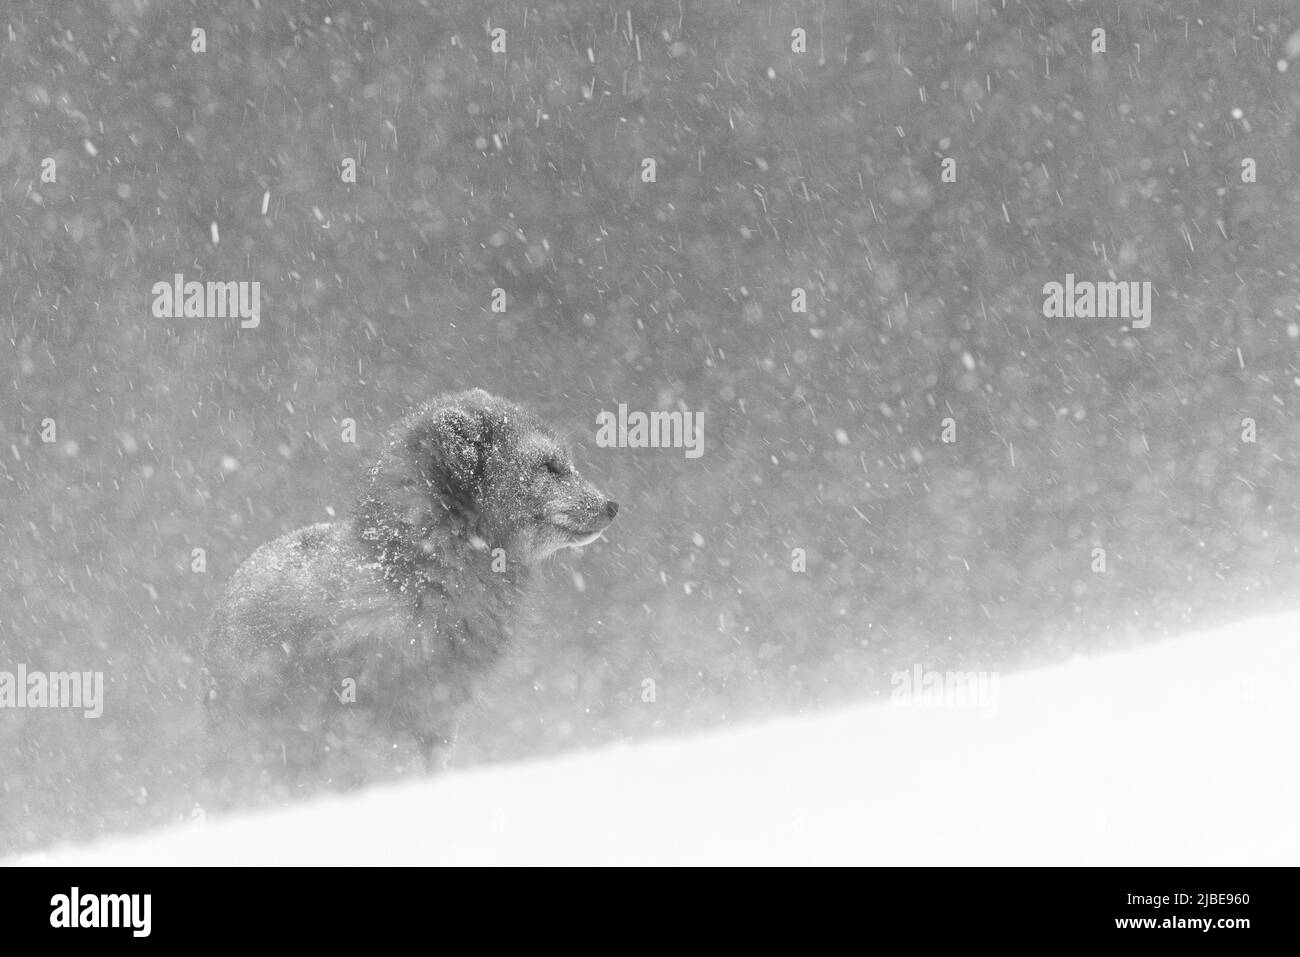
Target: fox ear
<point>451,449</point>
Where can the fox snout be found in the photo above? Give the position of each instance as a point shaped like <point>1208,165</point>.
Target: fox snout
<point>579,513</point>
<point>593,514</point>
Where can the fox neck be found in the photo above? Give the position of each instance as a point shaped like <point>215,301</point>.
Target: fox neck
<point>448,558</point>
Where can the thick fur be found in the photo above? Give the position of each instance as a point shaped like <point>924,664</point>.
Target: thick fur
<point>343,653</point>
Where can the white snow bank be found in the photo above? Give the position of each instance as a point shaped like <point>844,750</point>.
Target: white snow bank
<point>1181,752</point>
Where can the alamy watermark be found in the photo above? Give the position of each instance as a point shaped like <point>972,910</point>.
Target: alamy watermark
<point>129,911</point>
<point>179,299</point>
<point>1084,299</point>
<point>918,688</point>
<point>651,430</point>
<point>82,690</point>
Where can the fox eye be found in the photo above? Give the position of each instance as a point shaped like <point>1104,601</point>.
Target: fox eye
<point>556,467</point>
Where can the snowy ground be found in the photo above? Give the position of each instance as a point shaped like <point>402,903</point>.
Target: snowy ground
<point>1182,752</point>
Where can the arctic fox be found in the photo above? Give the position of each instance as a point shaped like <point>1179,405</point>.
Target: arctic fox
<point>344,652</point>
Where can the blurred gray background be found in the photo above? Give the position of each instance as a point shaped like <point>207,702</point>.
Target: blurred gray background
<point>775,169</point>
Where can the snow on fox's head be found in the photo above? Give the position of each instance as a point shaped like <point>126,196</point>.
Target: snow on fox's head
<point>486,469</point>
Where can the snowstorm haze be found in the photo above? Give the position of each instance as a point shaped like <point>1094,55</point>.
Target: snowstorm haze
<point>971,328</point>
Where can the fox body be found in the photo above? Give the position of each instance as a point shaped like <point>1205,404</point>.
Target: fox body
<point>343,653</point>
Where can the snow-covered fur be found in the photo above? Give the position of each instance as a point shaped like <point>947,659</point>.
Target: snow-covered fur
<point>343,653</point>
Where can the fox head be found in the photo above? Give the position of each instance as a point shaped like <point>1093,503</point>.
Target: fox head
<point>483,470</point>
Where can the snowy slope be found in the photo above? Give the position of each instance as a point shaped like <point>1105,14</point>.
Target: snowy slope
<point>1182,752</point>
